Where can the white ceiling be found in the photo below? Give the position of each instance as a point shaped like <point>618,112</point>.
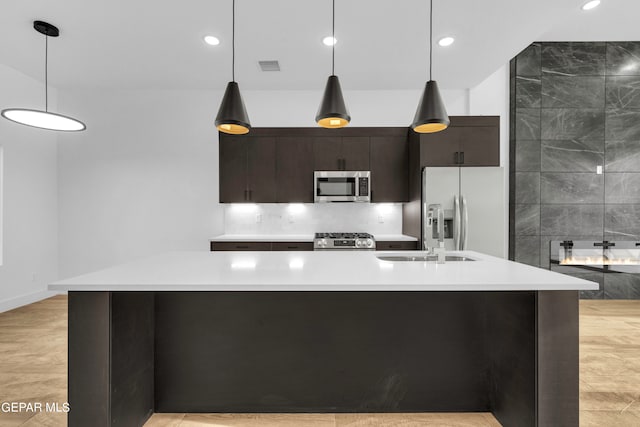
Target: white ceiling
<point>157,44</point>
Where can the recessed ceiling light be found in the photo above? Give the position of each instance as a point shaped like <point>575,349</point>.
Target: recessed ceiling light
<point>329,41</point>
<point>446,41</point>
<point>212,40</point>
<point>591,5</point>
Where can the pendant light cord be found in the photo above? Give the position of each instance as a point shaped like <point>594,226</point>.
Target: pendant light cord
<point>233,41</point>
<point>46,73</point>
<point>333,35</point>
<point>430,37</point>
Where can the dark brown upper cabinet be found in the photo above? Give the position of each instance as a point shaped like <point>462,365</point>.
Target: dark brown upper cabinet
<point>468,141</point>
<point>389,169</point>
<point>247,169</point>
<point>294,170</point>
<point>332,153</point>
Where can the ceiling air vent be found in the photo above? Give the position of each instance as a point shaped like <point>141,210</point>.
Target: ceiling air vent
<point>269,65</point>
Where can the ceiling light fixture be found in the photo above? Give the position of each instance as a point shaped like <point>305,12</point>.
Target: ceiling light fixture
<point>333,113</point>
<point>591,5</point>
<point>446,41</point>
<point>431,115</point>
<point>232,115</point>
<point>212,40</point>
<point>329,41</point>
<point>38,118</point>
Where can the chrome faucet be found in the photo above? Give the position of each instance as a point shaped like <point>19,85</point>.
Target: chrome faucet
<point>435,213</point>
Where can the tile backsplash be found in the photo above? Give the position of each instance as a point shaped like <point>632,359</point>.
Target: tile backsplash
<point>308,218</point>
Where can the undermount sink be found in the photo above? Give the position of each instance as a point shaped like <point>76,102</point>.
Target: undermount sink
<point>422,258</point>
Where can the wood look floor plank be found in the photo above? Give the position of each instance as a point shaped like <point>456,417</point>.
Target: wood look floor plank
<point>258,420</point>
<point>33,368</point>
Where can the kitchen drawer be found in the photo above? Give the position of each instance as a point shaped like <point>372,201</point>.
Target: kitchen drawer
<point>240,246</point>
<point>396,246</point>
<point>292,246</point>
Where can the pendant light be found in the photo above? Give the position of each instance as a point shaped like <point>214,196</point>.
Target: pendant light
<point>333,112</point>
<point>38,118</point>
<point>431,116</point>
<point>232,116</point>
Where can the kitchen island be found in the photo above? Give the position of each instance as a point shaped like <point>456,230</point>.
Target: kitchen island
<point>322,332</point>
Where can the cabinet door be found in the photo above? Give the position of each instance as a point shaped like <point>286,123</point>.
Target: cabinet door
<point>440,148</point>
<point>480,146</point>
<point>240,246</point>
<point>294,170</point>
<point>261,169</point>
<point>396,246</point>
<point>292,246</point>
<point>327,153</point>
<point>233,169</point>
<point>389,169</point>
<point>355,153</point>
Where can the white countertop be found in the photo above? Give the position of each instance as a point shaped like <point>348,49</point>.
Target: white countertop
<point>299,238</point>
<point>317,271</point>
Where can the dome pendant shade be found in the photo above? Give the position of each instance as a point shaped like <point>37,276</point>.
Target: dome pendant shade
<point>43,120</point>
<point>431,115</point>
<point>232,116</point>
<point>333,112</point>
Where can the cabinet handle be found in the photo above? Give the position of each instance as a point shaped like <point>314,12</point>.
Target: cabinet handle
<point>462,157</point>
<point>456,158</point>
<point>292,247</point>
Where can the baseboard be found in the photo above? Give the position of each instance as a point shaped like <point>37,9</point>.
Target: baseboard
<point>11,303</point>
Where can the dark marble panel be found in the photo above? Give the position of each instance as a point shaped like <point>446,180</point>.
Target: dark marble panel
<point>623,92</point>
<point>571,219</point>
<point>622,222</point>
<point>528,61</point>
<point>623,125</point>
<point>527,220</point>
<point>623,58</point>
<point>527,156</point>
<point>573,58</point>
<point>527,187</point>
<point>545,246</point>
<point>572,91</point>
<point>622,286</point>
<point>622,156</point>
<point>622,188</point>
<point>527,123</point>
<point>566,187</point>
<point>571,155</point>
<point>528,92</point>
<point>527,250</point>
<point>571,123</point>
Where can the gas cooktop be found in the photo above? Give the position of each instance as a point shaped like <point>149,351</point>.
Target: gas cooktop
<point>341,241</point>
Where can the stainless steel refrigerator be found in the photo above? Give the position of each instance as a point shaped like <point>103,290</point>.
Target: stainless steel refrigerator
<point>473,202</point>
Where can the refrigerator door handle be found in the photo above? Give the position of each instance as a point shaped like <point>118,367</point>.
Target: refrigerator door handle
<point>456,223</point>
<point>465,223</point>
<point>423,209</point>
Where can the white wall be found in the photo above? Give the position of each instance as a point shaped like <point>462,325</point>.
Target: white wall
<point>491,97</point>
<point>29,196</point>
<point>143,178</point>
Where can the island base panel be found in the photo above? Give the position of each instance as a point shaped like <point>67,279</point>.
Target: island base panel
<point>511,353</point>
<point>320,352</point>
<point>111,358</point>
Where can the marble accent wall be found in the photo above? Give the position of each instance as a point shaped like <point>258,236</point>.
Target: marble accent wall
<point>575,152</point>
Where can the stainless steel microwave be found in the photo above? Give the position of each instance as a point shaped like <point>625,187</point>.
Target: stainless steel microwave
<point>342,186</point>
